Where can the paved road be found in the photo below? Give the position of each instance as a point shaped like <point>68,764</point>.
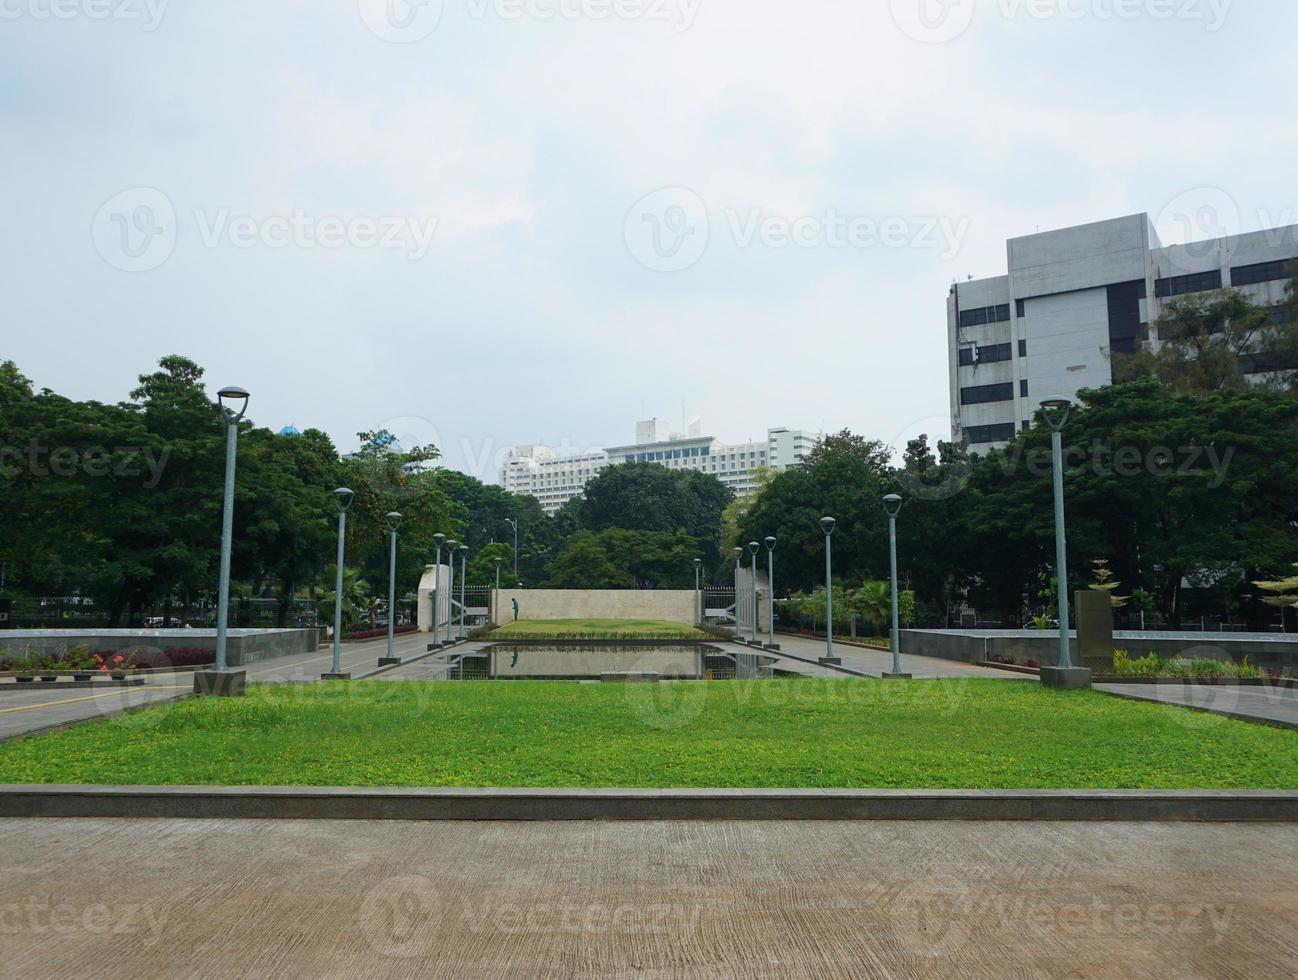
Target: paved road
<point>155,898</point>
<point>1270,705</point>
<point>27,711</point>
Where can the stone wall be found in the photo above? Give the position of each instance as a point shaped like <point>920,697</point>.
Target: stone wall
<point>673,607</point>
<point>243,646</point>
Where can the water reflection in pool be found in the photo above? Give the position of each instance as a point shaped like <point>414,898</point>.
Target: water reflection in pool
<point>531,662</point>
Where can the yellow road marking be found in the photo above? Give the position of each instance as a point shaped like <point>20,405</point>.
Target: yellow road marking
<point>89,697</point>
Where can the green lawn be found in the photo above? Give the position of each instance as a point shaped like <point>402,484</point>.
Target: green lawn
<point>789,733</point>
<point>596,629</point>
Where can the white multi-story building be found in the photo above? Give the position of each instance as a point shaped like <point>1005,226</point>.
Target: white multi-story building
<point>541,472</point>
<point>1075,297</point>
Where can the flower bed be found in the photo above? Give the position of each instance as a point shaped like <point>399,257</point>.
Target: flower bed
<point>375,634</point>
<point>1154,667</point>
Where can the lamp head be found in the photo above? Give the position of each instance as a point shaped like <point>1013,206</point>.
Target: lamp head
<point>394,519</point>
<point>770,543</point>
<point>698,561</point>
<point>753,548</point>
<point>343,498</point>
<point>463,548</point>
<point>827,524</point>
<point>452,544</point>
<point>234,401</point>
<point>1056,412</point>
<point>892,504</point>
<point>738,552</point>
<point>440,539</point>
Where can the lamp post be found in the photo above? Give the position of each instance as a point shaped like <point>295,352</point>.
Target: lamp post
<point>495,600</point>
<point>513,522</point>
<point>770,601</point>
<point>394,522</point>
<point>892,504</point>
<point>753,549</point>
<point>1065,675</point>
<point>827,524</point>
<point>343,498</point>
<point>234,405</point>
<point>450,590</point>
<point>698,592</point>
<point>739,630</point>
<point>437,590</point>
<point>464,561</point>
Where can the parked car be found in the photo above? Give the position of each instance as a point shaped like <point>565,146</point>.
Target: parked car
<point>163,623</point>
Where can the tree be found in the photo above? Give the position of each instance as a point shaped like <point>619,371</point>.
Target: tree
<point>482,565</point>
<point>356,593</point>
<point>1106,583</point>
<point>873,601</point>
<point>1210,342</point>
<point>1283,594</point>
<point>621,559</point>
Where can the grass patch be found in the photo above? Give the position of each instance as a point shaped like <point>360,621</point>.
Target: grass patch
<point>959,733</point>
<point>596,629</point>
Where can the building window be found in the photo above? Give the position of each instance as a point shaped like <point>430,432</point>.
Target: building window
<point>1020,308</point>
<point>1023,389</point>
<point>1026,425</point>
<point>984,394</point>
<point>980,434</point>
<point>984,314</point>
<point>1248,275</point>
<point>1199,282</point>
<point>985,355</point>
<point>1023,348</point>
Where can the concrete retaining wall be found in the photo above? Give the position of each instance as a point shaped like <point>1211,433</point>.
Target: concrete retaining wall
<point>243,646</point>
<point>672,607</point>
<point>1271,651</point>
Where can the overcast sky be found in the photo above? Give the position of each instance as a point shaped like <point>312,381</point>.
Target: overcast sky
<point>489,222</point>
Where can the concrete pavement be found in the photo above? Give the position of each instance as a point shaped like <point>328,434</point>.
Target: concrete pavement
<point>217,898</point>
<point>1268,705</point>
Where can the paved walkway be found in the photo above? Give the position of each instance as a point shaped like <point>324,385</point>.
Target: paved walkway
<point>211,898</point>
<point>1268,705</point>
<point>877,662</point>
<point>26,711</point>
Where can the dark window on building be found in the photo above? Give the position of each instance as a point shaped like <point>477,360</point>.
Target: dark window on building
<point>986,355</point>
<point>1023,348</point>
<point>1199,282</point>
<point>1248,275</point>
<point>1124,316</point>
<point>984,394</point>
<point>984,314</point>
<point>1020,308</point>
<point>1026,425</point>
<point>979,434</point>
<point>1267,363</point>
<point>1023,389</point>
<point>1280,315</point>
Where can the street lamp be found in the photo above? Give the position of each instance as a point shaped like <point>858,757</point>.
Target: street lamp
<point>450,588</point>
<point>827,524</point>
<point>234,404</point>
<point>343,498</point>
<point>464,561</point>
<point>512,522</point>
<point>753,549</point>
<point>770,582</point>
<point>495,600</point>
<point>892,504</point>
<point>698,595</point>
<point>1056,413</point>
<point>394,522</point>
<point>437,590</point>
<point>739,632</point>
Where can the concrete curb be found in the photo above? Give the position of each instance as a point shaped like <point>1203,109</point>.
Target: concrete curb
<point>347,803</point>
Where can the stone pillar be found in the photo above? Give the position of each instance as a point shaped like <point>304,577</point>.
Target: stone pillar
<point>1094,612</point>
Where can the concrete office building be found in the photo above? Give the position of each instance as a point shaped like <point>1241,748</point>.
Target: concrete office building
<point>1075,297</point>
<point>541,472</point>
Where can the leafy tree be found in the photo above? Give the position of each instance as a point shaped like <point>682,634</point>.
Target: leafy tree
<point>356,593</point>
<point>1106,583</point>
<point>1281,594</point>
<point>873,602</point>
<point>482,565</point>
<point>622,559</point>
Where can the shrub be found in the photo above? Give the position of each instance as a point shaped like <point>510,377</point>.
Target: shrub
<point>375,634</point>
<point>1153,666</point>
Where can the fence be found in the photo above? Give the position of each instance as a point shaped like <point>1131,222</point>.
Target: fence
<point>78,612</point>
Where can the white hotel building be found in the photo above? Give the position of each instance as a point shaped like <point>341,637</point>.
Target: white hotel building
<point>1075,297</point>
<point>541,472</point>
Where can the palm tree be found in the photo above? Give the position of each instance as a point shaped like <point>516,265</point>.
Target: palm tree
<point>356,597</point>
<point>874,602</point>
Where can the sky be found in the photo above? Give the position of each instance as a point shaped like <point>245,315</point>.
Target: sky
<point>481,223</point>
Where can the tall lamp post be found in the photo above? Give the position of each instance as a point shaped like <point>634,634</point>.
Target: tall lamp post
<point>753,549</point>
<point>234,405</point>
<point>343,498</point>
<point>464,576</point>
<point>827,524</point>
<point>739,630</point>
<point>437,590</point>
<point>770,600</point>
<point>1056,413</point>
<point>495,600</point>
<point>394,522</point>
<point>892,504</point>
<point>450,589</point>
<point>513,522</point>
<point>698,591</point>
